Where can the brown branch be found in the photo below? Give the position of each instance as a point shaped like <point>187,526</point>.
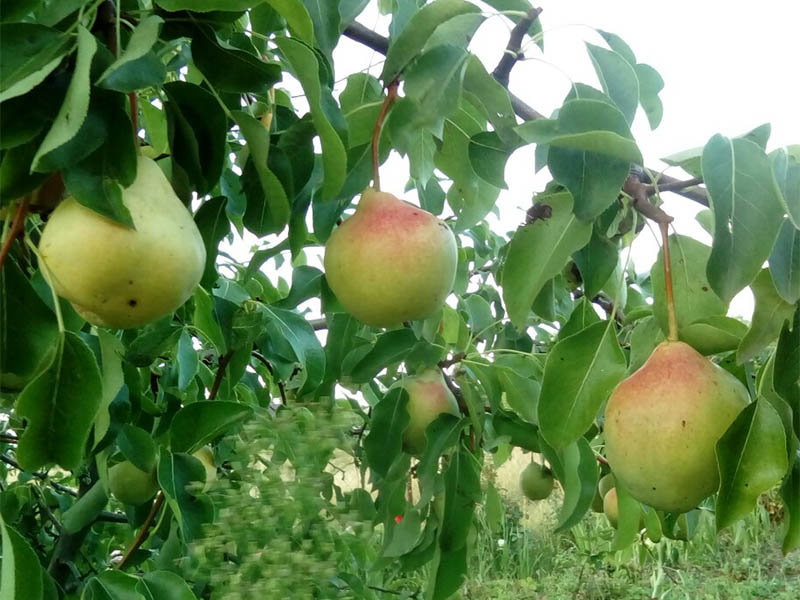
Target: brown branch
<point>223,364</point>
<point>449,362</point>
<point>258,356</point>
<point>144,531</point>
<point>641,201</point>
<point>512,53</point>
<point>17,227</point>
<point>133,100</point>
<point>673,186</point>
<point>365,36</point>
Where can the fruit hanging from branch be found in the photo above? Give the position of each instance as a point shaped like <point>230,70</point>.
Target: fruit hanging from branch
<point>662,425</point>
<point>536,481</point>
<point>119,277</point>
<point>428,397</point>
<point>391,261</point>
<point>130,485</point>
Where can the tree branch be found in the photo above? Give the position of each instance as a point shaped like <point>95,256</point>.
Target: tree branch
<point>365,36</point>
<point>258,356</point>
<point>641,201</point>
<point>223,364</point>
<point>512,53</point>
<point>144,531</point>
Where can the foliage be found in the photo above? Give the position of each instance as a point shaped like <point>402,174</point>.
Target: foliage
<point>543,322</point>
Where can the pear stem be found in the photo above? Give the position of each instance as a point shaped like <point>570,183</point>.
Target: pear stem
<point>391,96</point>
<point>17,227</point>
<point>671,318</point>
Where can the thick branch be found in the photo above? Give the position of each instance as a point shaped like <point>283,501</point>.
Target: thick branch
<point>512,52</point>
<point>367,37</point>
<point>641,201</point>
<point>672,186</point>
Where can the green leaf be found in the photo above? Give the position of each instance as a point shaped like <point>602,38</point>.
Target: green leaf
<point>206,322</point>
<point>433,82</point>
<point>28,329</point>
<point>112,585</point>
<point>138,447</point>
<point>443,433</point>
<point>630,512</point>
<point>84,512</point>
<point>579,375</point>
<point>405,47</point>
<point>787,173</point>
<point>198,423</point>
<point>155,339</point>
<point>326,19</point>
<point>197,128</point>
<point>596,262</point>
<point>29,52</point>
<point>747,212</point>
<point>141,42</point>
<point>493,96</point>
<point>69,390</point>
<point>770,314</point>
<point>164,585</point>
<point>390,348</point>
<point>650,84</point>
<point>538,251</point>
<point>21,575</point>
<point>202,6</point>
<point>576,469</point>
<point>618,78</point>
<point>297,18</point>
<point>305,67</point>
<point>212,221</point>
<point>230,69</point>
<point>784,262</point>
<point>752,458</point>
<point>580,318</point>
<point>76,103</point>
<point>694,298</point>
<point>111,352</point>
<point>273,214</point>
<point>387,422</point>
<point>188,361</point>
<point>712,335</point>
<point>488,155</point>
<point>177,475</point>
<point>790,493</point>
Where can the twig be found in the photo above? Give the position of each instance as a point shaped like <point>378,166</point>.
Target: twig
<point>111,517</point>
<point>318,324</point>
<point>17,225</point>
<point>641,201</point>
<point>391,96</point>
<point>449,362</point>
<point>258,356</point>
<point>672,186</point>
<point>41,476</point>
<point>512,53</point>
<point>144,531</point>
<point>363,35</point>
<point>223,364</point>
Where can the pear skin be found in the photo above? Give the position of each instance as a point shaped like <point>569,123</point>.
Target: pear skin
<point>391,261</point>
<point>131,485</point>
<point>536,481</point>
<point>428,397</point>
<point>119,277</point>
<point>662,425</point>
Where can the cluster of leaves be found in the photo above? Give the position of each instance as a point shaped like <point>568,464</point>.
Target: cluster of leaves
<point>532,358</point>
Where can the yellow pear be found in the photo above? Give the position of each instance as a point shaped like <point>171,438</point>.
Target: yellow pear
<point>131,485</point>
<point>206,456</point>
<point>391,261</point>
<point>662,425</point>
<point>428,397</point>
<point>119,277</point>
<point>536,481</point>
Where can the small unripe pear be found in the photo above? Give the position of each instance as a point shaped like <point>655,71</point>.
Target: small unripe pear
<point>603,486</point>
<point>662,425</point>
<point>130,485</point>
<point>206,456</point>
<point>428,397</point>
<point>536,481</point>
<point>119,277</point>
<point>391,261</point>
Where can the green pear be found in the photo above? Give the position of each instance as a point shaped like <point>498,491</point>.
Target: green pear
<point>130,485</point>
<point>391,261</point>
<point>536,481</point>
<point>662,425</point>
<point>606,482</point>
<point>428,397</point>
<point>206,456</point>
<point>119,277</point>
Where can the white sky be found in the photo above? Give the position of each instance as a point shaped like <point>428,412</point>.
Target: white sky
<point>727,67</point>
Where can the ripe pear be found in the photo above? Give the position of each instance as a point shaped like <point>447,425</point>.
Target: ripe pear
<point>662,425</point>
<point>391,261</point>
<point>130,485</point>
<point>206,456</point>
<point>536,481</point>
<point>119,277</point>
<point>428,397</point>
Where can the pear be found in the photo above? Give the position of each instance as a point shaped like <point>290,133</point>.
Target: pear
<point>611,508</point>
<point>391,261</point>
<point>536,481</point>
<point>662,425</point>
<point>605,484</point>
<point>130,485</point>
<point>428,397</point>
<point>206,456</point>
<point>119,277</point>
